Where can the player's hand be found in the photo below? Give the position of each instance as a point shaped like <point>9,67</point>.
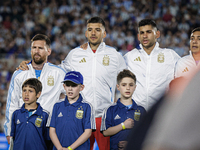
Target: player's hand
<point>23,65</point>
<point>84,46</point>
<point>122,145</point>
<point>62,148</point>
<point>129,123</point>
<point>8,139</point>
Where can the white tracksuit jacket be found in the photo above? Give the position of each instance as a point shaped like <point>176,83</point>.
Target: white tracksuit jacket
<point>99,72</point>
<point>153,73</point>
<point>51,78</point>
<point>185,66</point>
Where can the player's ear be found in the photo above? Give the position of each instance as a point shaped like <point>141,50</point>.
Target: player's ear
<point>118,86</point>
<point>135,87</point>
<point>82,87</point>
<point>104,34</point>
<point>38,94</point>
<point>157,34</point>
<point>86,34</point>
<point>138,36</point>
<point>49,51</point>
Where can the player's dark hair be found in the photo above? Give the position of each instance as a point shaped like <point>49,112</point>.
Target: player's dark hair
<point>125,73</point>
<point>145,22</point>
<point>196,29</point>
<point>97,20</point>
<point>33,83</point>
<point>43,38</point>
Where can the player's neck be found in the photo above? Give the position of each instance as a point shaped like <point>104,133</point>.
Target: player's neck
<point>72,100</point>
<point>38,66</point>
<point>126,101</point>
<point>196,56</point>
<point>94,47</point>
<point>31,106</point>
<point>148,50</point>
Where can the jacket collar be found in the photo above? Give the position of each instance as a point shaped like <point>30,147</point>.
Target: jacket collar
<point>33,70</point>
<point>154,49</point>
<point>99,49</point>
<point>190,53</point>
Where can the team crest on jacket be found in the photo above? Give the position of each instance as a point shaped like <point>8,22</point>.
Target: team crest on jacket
<point>106,60</point>
<point>38,122</point>
<point>161,58</point>
<point>137,115</point>
<point>50,81</point>
<point>79,113</point>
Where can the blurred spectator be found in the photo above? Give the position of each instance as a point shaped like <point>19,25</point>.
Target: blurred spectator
<point>7,22</point>
<point>167,17</point>
<point>183,25</point>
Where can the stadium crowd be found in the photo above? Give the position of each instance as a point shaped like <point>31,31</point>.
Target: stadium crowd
<point>64,22</point>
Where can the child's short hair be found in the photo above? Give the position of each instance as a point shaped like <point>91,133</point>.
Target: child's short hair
<point>33,83</point>
<point>125,73</point>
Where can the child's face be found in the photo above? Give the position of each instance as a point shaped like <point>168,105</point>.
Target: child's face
<point>72,90</point>
<point>29,95</point>
<point>126,87</point>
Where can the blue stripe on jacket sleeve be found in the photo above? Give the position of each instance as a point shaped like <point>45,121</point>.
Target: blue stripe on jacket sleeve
<point>11,88</point>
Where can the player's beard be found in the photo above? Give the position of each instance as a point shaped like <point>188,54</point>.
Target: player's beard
<point>96,42</point>
<point>149,45</point>
<point>39,60</point>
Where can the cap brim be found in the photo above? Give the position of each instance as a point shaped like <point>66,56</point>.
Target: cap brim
<point>74,81</point>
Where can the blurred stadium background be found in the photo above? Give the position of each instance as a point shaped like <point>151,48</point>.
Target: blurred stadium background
<point>64,21</point>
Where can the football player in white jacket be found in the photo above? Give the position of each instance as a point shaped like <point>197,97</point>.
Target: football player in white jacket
<point>50,75</point>
<point>188,64</point>
<point>99,64</point>
<point>153,66</point>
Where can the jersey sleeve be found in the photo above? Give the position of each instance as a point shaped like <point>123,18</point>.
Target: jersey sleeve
<point>52,117</point>
<point>66,63</point>
<point>13,127</point>
<point>178,69</point>
<point>122,63</point>
<point>13,100</point>
<point>89,120</point>
<point>46,129</point>
<point>106,119</point>
<point>126,58</point>
<point>176,58</point>
<point>62,76</point>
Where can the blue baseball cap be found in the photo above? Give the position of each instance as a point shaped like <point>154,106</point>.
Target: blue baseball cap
<point>74,76</point>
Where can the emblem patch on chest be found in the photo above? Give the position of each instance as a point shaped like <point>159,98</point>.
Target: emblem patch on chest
<point>38,122</point>
<point>137,115</point>
<point>161,58</point>
<point>50,81</point>
<point>79,113</point>
<point>106,60</point>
